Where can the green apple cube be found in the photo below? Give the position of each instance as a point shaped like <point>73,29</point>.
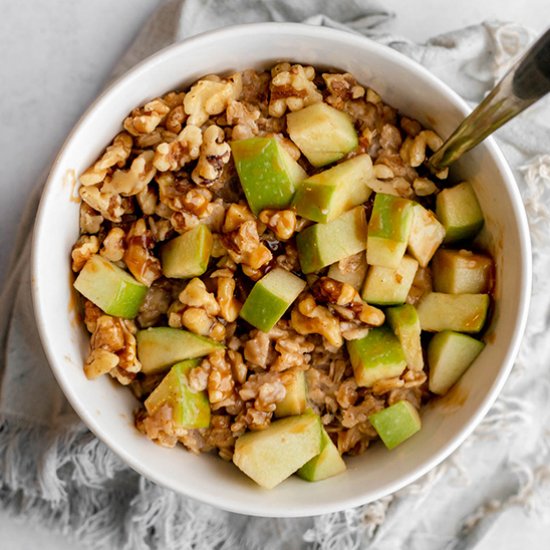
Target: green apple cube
<point>426,235</point>
<point>161,347</point>
<point>323,134</point>
<point>354,277</point>
<point>188,255</point>
<point>270,297</point>
<point>323,244</point>
<point>324,196</point>
<point>389,230</point>
<point>396,424</point>
<point>387,286</point>
<point>457,208</point>
<point>461,312</point>
<point>189,409</point>
<point>268,174</point>
<point>270,456</point>
<point>295,399</point>
<point>405,324</point>
<point>461,272</point>
<point>327,463</point>
<point>376,356</point>
<point>449,355</point>
<point>110,288</point>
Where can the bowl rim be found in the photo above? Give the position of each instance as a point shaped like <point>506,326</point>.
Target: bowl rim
<point>314,32</point>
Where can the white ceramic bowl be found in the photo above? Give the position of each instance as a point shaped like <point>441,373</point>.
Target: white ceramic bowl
<point>107,408</point>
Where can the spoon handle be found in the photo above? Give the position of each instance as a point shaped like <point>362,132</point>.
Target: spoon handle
<point>526,82</point>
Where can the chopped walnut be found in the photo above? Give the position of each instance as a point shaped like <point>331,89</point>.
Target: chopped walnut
<point>214,154</point>
<point>116,154</point>
<point>113,245</point>
<point>91,314</point>
<point>109,205</point>
<point>243,117</point>
<point>244,246</point>
<point>90,220</point>
<point>135,179</point>
<point>229,305</point>
<point>211,96</point>
<point>175,119</point>
<point>176,154</point>
<point>139,257</point>
<point>423,187</point>
<point>144,120</point>
<point>281,222</point>
<point>256,348</point>
<point>83,250</point>
<point>156,303</point>
<point>235,216</point>
<point>100,362</point>
<point>342,88</point>
<point>414,150</point>
<point>196,295</point>
<point>220,379</point>
<point>292,87</point>
<point>147,199</point>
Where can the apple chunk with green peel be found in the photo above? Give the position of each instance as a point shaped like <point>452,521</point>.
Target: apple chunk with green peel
<point>353,271</point>
<point>188,255</point>
<point>376,356</point>
<point>268,174</point>
<point>389,229</point>
<point>110,288</point>
<point>457,208</point>
<point>405,324</point>
<point>327,463</point>
<point>161,347</point>
<point>386,286</point>
<point>323,244</point>
<point>449,355</point>
<point>189,409</point>
<point>270,456</point>
<point>396,423</point>
<point>324,196</point>
<point>323,134</point>
<point>461,271</point>
<point>461,312</point>
<point>270,297</point>
<point>426,235</point>
<point>295,400</point>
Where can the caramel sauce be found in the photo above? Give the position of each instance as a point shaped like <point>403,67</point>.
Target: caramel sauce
<point>452,400</point>
<point>71,181</point>
<point>73,306</point>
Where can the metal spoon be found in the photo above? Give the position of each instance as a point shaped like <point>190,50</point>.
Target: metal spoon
<point>526,82</point>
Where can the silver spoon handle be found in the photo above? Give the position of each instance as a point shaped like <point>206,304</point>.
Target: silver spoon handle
<point>526,82</point>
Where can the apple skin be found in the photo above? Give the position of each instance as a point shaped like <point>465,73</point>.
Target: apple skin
<point>457,208</point>
<point>323,244</point>
<point>110,288</point>
<point>159,348</point>
<point>376,356</point>
<point>461,272</point>
<point>326,195</point>
<point>190,409</point>
<point>396,423</point>
<point>268,174</point>
<point>327,463</point>
<point>389,229</point>
<point>450,354</point>
<point>188,255</point>
<point>270,297</point>
<point>272,455</point>
<point>459,312</point>
<point>323,134</point>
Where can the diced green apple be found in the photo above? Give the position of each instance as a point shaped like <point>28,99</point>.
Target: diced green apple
<point>396,423</point>
<point>457,208</point>
<point>325,243</point>
<point>387,286</point>
<point>461,312</point>
<point>268,174</point>
<point>376,356</point>
<point>461,271</point>
<point>327,463</point>
<point>449,355</point>
<point>323,134</point>
<point>406,325</point>
<point>353,274</point>
<point>161,347</point>
<point>189,409</point>
<point>110,288</point>
<point>187,256</point>
<point>270,297</point>
<point>270,456</point>
<point>426,235</point>
<point>295,399</point>
<point>389,230</point>
<point>324,196</point>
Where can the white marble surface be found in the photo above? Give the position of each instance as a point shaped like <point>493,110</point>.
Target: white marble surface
<point>55,56</point>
